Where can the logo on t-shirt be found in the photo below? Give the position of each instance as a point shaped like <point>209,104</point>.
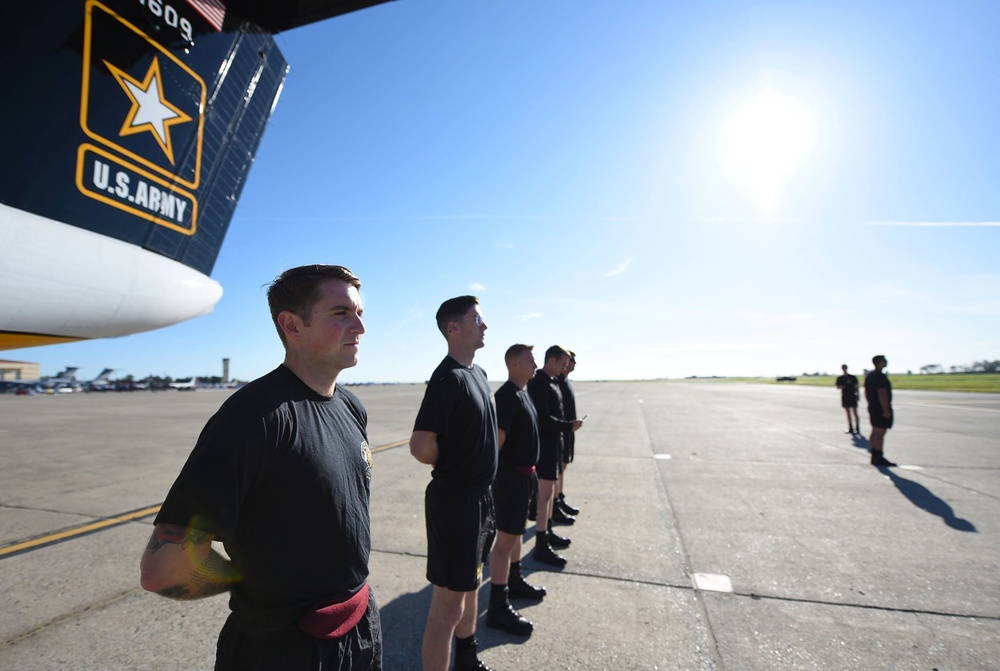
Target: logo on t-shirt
<point>366,454</point>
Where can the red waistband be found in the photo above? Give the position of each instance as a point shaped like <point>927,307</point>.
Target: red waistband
<point>525,470</point>
<point>335,619</point>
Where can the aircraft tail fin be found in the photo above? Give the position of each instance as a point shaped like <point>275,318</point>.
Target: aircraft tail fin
<point>68,374</point>
<point>134,124</point>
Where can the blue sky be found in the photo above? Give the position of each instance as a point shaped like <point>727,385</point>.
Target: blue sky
<point>572,164</point>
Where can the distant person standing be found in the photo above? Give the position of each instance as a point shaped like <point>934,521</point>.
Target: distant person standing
<point>878,393</point>
<point>517,433</point>
<point>562,511</point>
<point>848,386</point>
<point>456,433</point>
<point>281,475</point>
<point>552,424</point>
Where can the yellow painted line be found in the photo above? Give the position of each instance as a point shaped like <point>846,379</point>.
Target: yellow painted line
<point>113,521</point>
<point>77,531</point>
<point>381,448</point>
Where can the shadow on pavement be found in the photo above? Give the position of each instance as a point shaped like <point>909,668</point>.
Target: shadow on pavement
<point>922,497</point>
<point>861,442</point>
<point>403,621</point>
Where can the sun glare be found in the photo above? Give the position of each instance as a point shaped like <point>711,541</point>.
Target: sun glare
<point>764,142</point>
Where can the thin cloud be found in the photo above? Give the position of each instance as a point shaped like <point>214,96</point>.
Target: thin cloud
<point>751,220</point>
<point>528,315</point>
<point>705,347</point>
<point>620,269</point>
<point>933,224</point>
<point>506,245</point>
<point>476,286</point>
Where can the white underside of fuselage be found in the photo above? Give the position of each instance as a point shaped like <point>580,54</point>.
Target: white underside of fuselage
<point>60,280</point>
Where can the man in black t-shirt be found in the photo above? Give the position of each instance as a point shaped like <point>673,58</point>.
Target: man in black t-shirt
<point>456,433</point>
<point>281,476</point>
<point>517,434</point>
<point>562,511</point>
<point>878,393</point>
<point>552,424</point>
<point>848,386</point>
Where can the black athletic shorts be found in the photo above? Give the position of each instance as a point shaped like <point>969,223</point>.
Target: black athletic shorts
<point>549,464</point>
<point>240,649</point>
<point>511,497</point>
<point>569,447</point>
<point>460,533</point>
<point>849,401</point>
<point>878,420</point>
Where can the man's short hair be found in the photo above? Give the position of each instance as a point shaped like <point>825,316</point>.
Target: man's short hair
<point>297,291</point>
<point>556,352</point>
<point>515,351</point>
<point>452,310</point>
<point>878,357</point>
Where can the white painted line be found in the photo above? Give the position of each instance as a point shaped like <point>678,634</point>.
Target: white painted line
<point>713,582</point>
<point>640,400</point>
<point>661,456</point>
<point>905,467</point>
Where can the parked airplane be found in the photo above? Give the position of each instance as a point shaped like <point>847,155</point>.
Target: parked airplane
<point>101,382</point>
<point>185,385</point>
<point>128,130</point>
<point>63,382</point>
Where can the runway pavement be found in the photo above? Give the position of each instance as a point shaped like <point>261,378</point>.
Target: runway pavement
<point>724,526</point>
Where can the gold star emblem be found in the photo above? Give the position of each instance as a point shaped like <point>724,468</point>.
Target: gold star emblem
<point>150,109</point>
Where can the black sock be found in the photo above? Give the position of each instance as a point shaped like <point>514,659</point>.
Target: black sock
<point>515,572</point>
<point>465,643</point>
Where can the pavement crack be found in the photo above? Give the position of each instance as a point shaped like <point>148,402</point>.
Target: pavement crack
<point>702,607</point>
<point>100,605</point>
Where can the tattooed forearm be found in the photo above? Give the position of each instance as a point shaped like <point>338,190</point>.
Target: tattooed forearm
<point>180,563</point>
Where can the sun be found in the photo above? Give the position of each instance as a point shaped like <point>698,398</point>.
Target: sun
<point>764,142</point>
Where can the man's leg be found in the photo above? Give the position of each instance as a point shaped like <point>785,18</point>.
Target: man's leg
<point>543,550</point>
<point>546,492</point>
<point>466,647</point>
<point>847,411</point>
<point>857,421</point>
<point>501,615</point>
<point>467,624</point>
<point>502,555</point>
<point>446,614</point>
<point>878,441</point>
<point>517,586</point>
<point>560,502</point>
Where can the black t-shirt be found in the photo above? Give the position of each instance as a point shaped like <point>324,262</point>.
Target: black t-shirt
<point>848,385</point>
<point>545,394</point>
<point>569,407</point>
<point>282,476</point>
<point>458,407</point>
<point>516,416</point>
<point>874,381</point>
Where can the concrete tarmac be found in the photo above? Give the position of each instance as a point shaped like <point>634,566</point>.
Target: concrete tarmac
<point>724,526</point>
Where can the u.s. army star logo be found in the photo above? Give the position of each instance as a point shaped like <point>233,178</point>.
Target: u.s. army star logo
<point>366,454</point>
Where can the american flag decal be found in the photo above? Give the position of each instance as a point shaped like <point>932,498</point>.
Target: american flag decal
<point>212,10</point>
